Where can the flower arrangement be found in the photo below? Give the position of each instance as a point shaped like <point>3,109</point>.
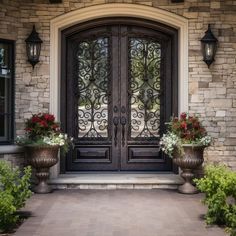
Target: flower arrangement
<point>184,130</point>
<point>42,129</point>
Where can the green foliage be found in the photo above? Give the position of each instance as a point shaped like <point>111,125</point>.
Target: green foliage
<point>8,218</point>
<point>14,190</point>
<point>219,186</point>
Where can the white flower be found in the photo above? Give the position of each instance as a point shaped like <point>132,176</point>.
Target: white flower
<point>62,143</point>
<point>168,142</point>
<point>205,141</point>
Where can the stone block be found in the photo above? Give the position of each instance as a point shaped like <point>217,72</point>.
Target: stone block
<point>193,87</point>
<point>203,84</point>
<point>215,5</point>
<point>230,142</point>
<point>220,113</point>
<point>221,103</point>
<point>191,15</point>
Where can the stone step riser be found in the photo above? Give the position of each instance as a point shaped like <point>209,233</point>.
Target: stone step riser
<point>114,186</point>
<point>116,181</point>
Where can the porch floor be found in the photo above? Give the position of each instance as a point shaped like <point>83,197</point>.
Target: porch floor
<point>119,180</point>
<point>116,213</point>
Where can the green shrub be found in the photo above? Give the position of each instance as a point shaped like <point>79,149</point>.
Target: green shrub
<point>14,190</point>
<point>219,186</point>
<point>8,217</point>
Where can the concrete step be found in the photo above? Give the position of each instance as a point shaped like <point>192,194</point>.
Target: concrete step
<point>117,181</point>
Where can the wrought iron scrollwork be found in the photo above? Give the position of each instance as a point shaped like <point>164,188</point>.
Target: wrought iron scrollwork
<point>92,75</point>
<point>144,90</point>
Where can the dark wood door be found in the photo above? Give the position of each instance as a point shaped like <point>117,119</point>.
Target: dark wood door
<point>118,91</point>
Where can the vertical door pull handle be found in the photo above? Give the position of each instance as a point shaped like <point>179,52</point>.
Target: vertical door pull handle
<point>123,123</point>
<point>115,122</point>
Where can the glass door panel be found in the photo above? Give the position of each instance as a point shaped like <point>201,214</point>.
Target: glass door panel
<point>93,84</point>
<point>144,88</point>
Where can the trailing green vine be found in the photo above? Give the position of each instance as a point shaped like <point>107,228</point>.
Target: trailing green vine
<point>219,186</point>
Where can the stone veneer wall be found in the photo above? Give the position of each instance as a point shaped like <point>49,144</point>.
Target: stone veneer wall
<point>212,92</point>
<point>15,159</point>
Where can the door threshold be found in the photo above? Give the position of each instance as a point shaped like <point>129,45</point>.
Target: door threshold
<point>116,172</point>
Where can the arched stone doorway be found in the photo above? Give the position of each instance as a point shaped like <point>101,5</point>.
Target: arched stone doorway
<point>115,10</point>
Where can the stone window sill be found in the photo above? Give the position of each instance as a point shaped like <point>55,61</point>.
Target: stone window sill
<point>10,149</point>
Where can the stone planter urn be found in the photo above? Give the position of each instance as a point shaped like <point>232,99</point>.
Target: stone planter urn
<point>188,161</point>
<point>42,158</point>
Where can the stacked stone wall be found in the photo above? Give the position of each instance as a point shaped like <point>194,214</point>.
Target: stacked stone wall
<point>212,92</point>
<point>15,159</point>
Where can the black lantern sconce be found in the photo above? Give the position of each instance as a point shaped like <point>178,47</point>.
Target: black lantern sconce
<point>209,45</point>
<point>33,47</point>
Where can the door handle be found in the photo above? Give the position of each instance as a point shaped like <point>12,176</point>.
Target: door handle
<point>123,123</point>
<point>115,122</point>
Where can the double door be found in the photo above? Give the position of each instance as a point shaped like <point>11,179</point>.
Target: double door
<point>118,95</point>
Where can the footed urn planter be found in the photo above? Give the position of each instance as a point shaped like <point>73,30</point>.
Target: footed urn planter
<point>42,158</point>
<point>188,161</point>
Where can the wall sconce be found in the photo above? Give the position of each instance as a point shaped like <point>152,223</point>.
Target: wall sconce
<point>209,45</point>
<point>33,47</point>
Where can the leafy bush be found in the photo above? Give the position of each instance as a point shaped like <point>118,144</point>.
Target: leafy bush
<point>219,186</point>
<point>8,217</point>
<point>14,190</point>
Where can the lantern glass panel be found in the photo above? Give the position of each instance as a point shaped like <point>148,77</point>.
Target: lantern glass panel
<point>209,51</point>
<point>34,50</point>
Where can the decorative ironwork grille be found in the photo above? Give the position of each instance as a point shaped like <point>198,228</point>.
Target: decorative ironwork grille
<point>93,76</point>
<point>144,87</point>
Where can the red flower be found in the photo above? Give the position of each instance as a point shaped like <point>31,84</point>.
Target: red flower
<point>43,123</point>
<point>49,117</point>
<point>35,119</point>
<point>183,125</point>
<point>183,116</point>
<point>28,129</point>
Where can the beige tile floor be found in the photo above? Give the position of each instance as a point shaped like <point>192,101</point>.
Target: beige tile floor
<point>116,213</point>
